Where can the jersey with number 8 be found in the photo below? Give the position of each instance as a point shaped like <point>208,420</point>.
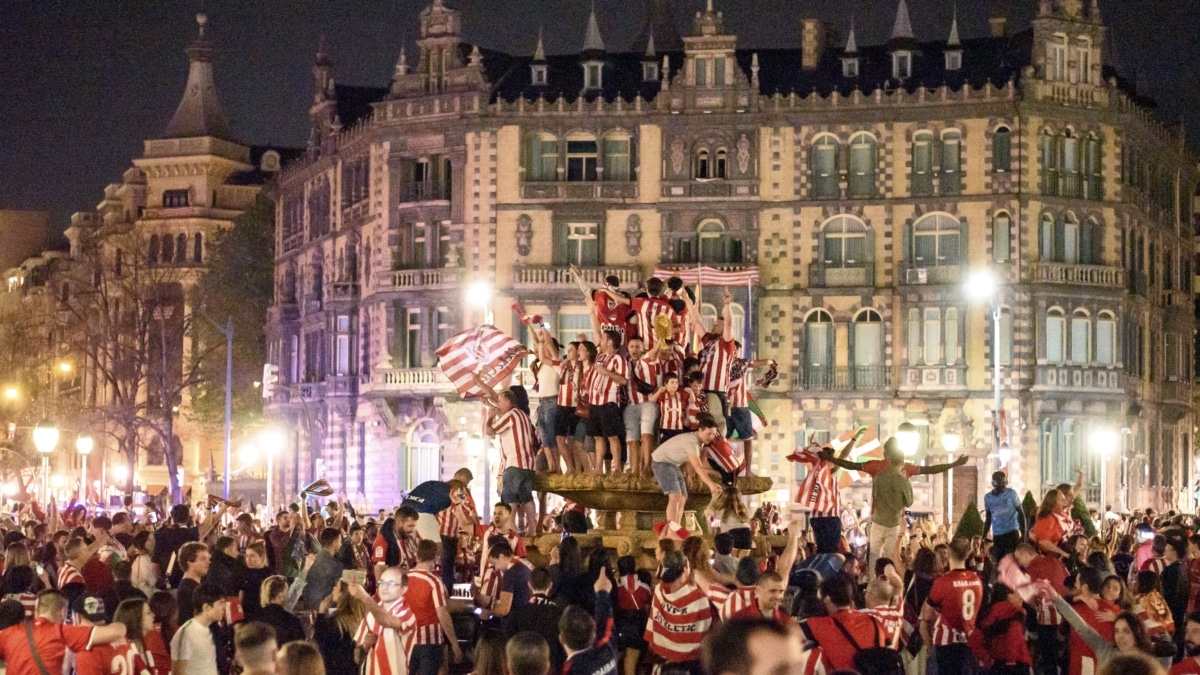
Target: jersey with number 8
<point>957,597</point>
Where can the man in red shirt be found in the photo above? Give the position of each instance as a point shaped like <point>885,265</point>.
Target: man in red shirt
<point>836,649</point>
<point>1097,612</point>
<point>769,593</point>
<point>50,639</point>
<point>396,543</point>
<point>948,617</point>
<point>1191,648</point>
<point>426,596</point>
<point>1049,634</point>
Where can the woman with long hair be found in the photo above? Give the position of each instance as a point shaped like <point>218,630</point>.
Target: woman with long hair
<point>698,554</point>
<point>1151,608</point>
<point>489,653</point>
<point>1047,531</point>
<point>735,518</point>
<point>142,572</point>
<point>274,596</point>
<point>1129,633</point>
<point>299,658</point>
<point>164,612</point>
<point>919,582</point>
<point>138,620</point>
<point>572,584</point>
<point>334,628</point>
<point>1114,590</point>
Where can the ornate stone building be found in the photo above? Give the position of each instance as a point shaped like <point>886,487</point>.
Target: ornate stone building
<point>861,183</point>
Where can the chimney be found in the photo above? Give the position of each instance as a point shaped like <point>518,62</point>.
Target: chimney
<point>812,43</point>
<point>999,26</point>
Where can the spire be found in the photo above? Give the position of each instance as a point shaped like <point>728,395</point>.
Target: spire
<point>953,40</point>
<point>660,24</point>
<point>851,43</point>
<point>539,53</point>
<point>199,112</point>
<point>592,42</point>
<point>322,69</point>
<point>902,28</point>
<point>650,55</point>
<point>402,63</point>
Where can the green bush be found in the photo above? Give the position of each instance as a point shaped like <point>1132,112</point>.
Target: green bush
<point>1079,511</point>
<point>970,524</point>
<point>1030,506</point>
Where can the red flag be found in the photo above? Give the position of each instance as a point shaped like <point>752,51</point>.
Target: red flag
<point>484,351</point>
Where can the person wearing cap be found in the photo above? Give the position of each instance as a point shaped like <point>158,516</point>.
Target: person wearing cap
<point>1003,516</point>
<point>89,610</point>
<point>41,647</point>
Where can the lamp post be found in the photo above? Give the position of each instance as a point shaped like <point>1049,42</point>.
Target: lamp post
<point>45,439</point>
<point>982,285</point>
<point>951,442</point>
<point>479,296</point>
<point>270,443</point>
<point>1104,442</point>
<point>908,437</point>
<point>83,445</point>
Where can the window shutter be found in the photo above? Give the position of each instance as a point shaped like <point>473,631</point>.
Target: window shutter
<point>1085,244</point>
<point>560,253</point>
<point>593,249</point>
<point>1097,248</point>
<point>908,242</point>
<point>1060,241</point>
<point>963,253</point>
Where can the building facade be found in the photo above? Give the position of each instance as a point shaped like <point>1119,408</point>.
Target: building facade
<point>861,183</point>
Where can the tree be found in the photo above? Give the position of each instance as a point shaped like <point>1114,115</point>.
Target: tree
<point>970,524</point>
<point>1079,511</point>
<point>1030,506</point>
<point>238,283</point>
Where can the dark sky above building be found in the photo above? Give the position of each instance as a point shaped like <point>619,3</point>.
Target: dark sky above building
<point>84,82</point>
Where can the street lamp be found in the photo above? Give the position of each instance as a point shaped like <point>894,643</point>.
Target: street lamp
<point>45,439</point>
<point>951,442</point>
<point>982,286</point>
<point>11,393</point>
<point>270,442</point>
<point>83,445</point>
<point>1104,442</point>
<point>908,438</point>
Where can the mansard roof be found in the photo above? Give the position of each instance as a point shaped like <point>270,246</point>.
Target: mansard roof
<point>511,77</point>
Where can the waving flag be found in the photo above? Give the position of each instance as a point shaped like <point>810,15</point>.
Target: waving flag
<point>484,351</point>
<point>868,448</point>
<point>318,488</point>
<point>214,501</point>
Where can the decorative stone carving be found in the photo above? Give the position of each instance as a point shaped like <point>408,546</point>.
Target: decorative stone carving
<point>633,235</point>
<point>524,234</point>
<point>743,154</point>
<point>677,156</point>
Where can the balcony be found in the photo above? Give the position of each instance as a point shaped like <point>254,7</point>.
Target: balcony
<point>558,278</point>
<point>572,191</point>
<point>1079,379</point>
<point>914,275</point>
<point>822,275</point>
<point>711,189</point>
<point>1101,276</point>
<point>341,291</point>
<point>408,381</point>
<point>1176,392</point>
<point>842,378</point>
<point>436,279</point>
<point>425,191</point>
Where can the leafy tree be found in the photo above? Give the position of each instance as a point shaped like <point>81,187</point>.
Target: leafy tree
<point>238,284</point>
<point>970,524</point>
<point>1079,511</point>
<point>1030,506</point>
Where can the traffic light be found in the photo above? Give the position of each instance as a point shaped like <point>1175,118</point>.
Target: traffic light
<point>269,380</point>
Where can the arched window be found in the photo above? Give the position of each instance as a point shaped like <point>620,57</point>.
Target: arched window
<point>844,242</point>
<point>716,245</point>
<point>582,156</point>
<point>703,164</point>
<point>868,350</point>
<point>152,251</point>
<point>818,345</point>
<point>950,174</point>
<point>1001,236</point>
<point>168,248</point>
<point>721,167</point>
<point>1081,337</point>
<point>1091,243</point>
<point>1002,150</point>
<point>1070,239</point>
<point>1093,171</point>
<point>1056,58</point>
<point>823,164</point>
<point>708,314</point>
<point>738,314</point>
<point>181,243</point>
<point>197,248</point>
<point>922,159</point>
<point>862,165</point>
<point>936,240</point>
<point>543,157</point>
<point>1082,56</point>
<point>617,156</point>
<point>1047,235</point>
<point>1056,337</point>
<point>1106,339</point>
<point>1050,165</point>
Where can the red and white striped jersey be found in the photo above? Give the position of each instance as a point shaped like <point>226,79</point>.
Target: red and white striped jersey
<point>1048,614</point>
<point>739,599</point>
<point>720,453</point>
<point>678,622</point>
<point>716,358</point>
<point>244,540</point>
<point>425,595</point>
<point>129,660</point>
<point>717,595</point>
<point>511,536</point>
<point>957,596</point>
<point>672,361</point>
<point>489,581</point>
<point>893,622</point>
<point>27,600</point>
<point>1156,565</point>
<point>389,656</point>
<point>647,371</point>
<point>818,490</point>
<point>568,383</point>
<point>515,432</point>
<point>601,388</point>
<point>408,550</point>
<point>671,411</point>
<point>696,404</point>
<point>67,574</point>
<point>647,309</point>
<point>451,519</point>
<point>739,384</point>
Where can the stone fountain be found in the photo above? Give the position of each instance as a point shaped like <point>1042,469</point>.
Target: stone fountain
<point>627,507</point>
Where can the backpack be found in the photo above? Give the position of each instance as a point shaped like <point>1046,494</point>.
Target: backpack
<point>874,660</point>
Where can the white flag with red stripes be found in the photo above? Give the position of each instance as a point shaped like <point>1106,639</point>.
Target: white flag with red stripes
<point>483,350</point>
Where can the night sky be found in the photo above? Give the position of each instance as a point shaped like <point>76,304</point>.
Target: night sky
<point>83,82</point>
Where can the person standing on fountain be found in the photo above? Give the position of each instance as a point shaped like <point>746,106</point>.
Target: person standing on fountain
<point>666,464</point>
<point>608,375</point>
<point>516,433</point>
<point>717,352</point>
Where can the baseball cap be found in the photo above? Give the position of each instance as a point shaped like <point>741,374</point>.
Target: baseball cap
<point>90,607</point>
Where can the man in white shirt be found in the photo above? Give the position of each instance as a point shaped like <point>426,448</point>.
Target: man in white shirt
<point>192,649</point>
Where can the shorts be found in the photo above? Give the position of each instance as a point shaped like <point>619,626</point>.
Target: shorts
<point>639,420</point>
<point>605,420</point>
<point>547,412</point>
<point>565,421</point>
<point>427,526</point>
<point>741,421</point>
<point>669,477</point>
<point>518,486</point>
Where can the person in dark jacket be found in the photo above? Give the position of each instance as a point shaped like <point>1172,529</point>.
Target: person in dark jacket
<point>541,616</point>
<point>257,571</point>
<point>589,643</point>
<point>226,571</point>
<point>274,613</point>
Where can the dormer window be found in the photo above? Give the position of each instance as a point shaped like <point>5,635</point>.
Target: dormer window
<point>591,75</point>
<point>650,71</point>
<point>954,60</point>
<point>538,71</point>
<point>701,72</point>
<point>850,67</point>
<point>719,71</point>
<point>901,65</point>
